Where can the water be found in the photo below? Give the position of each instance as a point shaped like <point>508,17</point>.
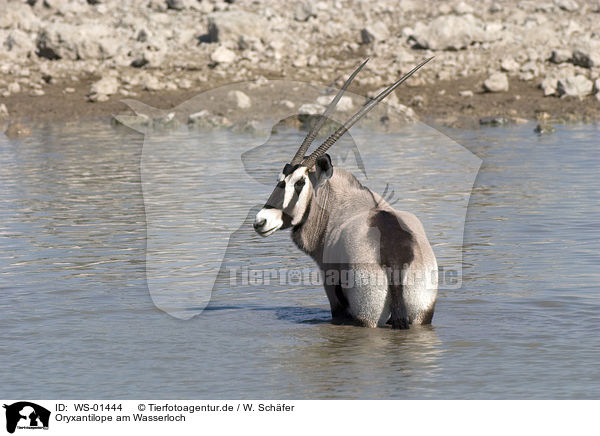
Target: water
<point>79,291</point>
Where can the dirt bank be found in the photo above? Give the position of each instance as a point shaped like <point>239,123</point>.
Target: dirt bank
<point>67,59</point>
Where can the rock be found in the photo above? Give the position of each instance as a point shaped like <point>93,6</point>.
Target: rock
<point>3,112</point>
<point>494,121</point>
<point>567,5</point>
<point>17,130</point>
<point>548,85</point>
<point>374,33</point>
<point>175,4</point>
<point>462,8</point>
<point>68,41</point>
<point>207,121</point>
<point>250,43</point>
<point>465,93</point>
<point>544,35</point>
<point>559,56</point>
<point>518,120</point>
<point>449,32</point>
<point>151,83</point>
<point>140,61</point>
<point>586,59</point>
<point>70,9</point>
<point>393,102</point>
<point>417,101</point>
<point>542,117</point>
<point>300,61</point>
<point>222,55</point>
<point>497,82</point>
<point>142,35</point>
<point>509,65</point>
<point>150,58</point>
<point>247,127</point>
<point>19,44</point>
<point>288,104</point>
<point>98,98</point>
<point>184,84</point>
<point>574,86</point>
<point>311,109</point>
<point>139,121</point>
<point>344,104</point>
<point>229,26</point>
<point>198,115</point>
<point>444,75</point>
<point>544,129</point>
<point>530,67</point>
<point>14,88</point>
<point>166,121</point>
<point>495,8</point>
<point>206,7</point>
<point>409,5</point>
<point>526,76</point>
<point>108,85</point>
<point>18,14</point>
<point>48,46</point>
<point>54,4</point>
<point>241,100</point>
<point>276,49</point>
<point>406,111</point>
<point>303,11</point>
<point>23,72</point>
<point>597,86</point>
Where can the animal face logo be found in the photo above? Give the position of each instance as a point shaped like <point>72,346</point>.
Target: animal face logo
<point>208,165</point>
<point>26,415</point>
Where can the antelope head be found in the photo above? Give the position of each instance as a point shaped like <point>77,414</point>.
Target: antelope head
<point>301,178</point>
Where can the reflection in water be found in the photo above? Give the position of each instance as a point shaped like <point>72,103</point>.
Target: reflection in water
<point>350,362</point>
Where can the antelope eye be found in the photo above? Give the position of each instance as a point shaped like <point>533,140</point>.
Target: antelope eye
<point>299,185</point>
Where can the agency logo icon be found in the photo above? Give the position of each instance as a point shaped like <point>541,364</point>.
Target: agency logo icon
<point>26,415</point>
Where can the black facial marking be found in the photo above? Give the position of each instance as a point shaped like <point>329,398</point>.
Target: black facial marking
<point>289,169</point>
<point>275,201</point>
<point>299,185</point>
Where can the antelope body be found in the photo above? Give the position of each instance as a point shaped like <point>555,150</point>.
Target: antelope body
<point>377,264</point>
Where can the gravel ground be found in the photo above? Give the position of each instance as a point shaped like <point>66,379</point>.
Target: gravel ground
<point>495,62</point>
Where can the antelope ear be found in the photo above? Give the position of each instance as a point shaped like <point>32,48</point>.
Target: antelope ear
<point>324,168</point>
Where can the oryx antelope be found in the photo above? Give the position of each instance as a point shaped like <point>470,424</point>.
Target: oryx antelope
<point>376,263</point>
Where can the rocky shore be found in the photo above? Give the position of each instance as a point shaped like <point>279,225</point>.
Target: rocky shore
<point>495,61</point>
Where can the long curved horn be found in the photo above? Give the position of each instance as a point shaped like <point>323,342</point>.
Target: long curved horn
<point>310,160</point>
<point>323,118</point>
